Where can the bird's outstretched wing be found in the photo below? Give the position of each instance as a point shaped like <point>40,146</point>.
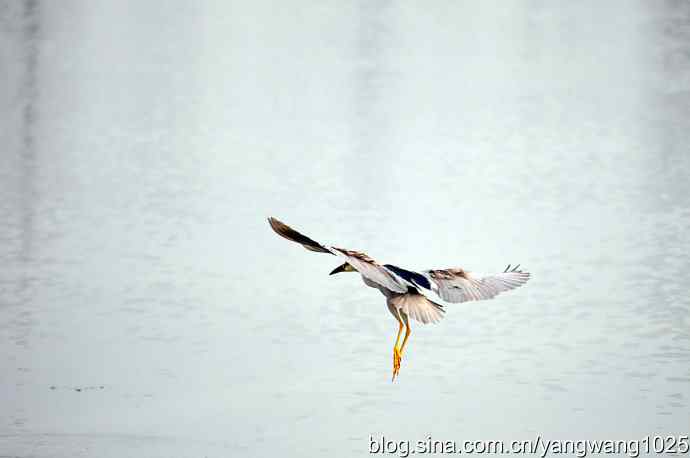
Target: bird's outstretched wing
<point>370,269</point>
<point>367,267</point>
<point>458,285</point>
<point>289,233</point>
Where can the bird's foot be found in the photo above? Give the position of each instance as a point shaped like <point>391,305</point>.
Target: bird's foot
<point>397,357</point>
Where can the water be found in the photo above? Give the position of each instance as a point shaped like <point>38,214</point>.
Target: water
<point>146,309</point>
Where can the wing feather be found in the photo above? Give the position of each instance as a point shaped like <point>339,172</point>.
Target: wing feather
<point>457,285</point>
<point>370,269</point>
<point>289,233</point>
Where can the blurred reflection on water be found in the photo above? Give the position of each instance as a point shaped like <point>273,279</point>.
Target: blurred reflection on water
<point>143,147</point>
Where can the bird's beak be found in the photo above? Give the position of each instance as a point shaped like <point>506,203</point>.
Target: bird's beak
<point>340,268</point>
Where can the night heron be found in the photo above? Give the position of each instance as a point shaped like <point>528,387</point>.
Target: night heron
<point>409,294</point>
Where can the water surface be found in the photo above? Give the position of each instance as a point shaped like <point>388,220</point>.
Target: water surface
<point>146,309</point>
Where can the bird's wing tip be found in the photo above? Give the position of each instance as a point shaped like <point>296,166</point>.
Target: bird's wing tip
<point>511,268</point>
<point>275,224</point>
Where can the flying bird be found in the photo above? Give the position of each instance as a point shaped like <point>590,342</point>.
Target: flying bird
<point>411,294</point>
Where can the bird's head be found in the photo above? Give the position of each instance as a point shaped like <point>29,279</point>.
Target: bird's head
<point>342,268</point>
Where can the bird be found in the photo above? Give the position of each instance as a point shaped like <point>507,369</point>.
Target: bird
<point>411,294</point>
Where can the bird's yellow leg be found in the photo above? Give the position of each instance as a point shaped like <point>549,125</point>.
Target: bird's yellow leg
<point>408,331</point>
<point>396,350</point>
